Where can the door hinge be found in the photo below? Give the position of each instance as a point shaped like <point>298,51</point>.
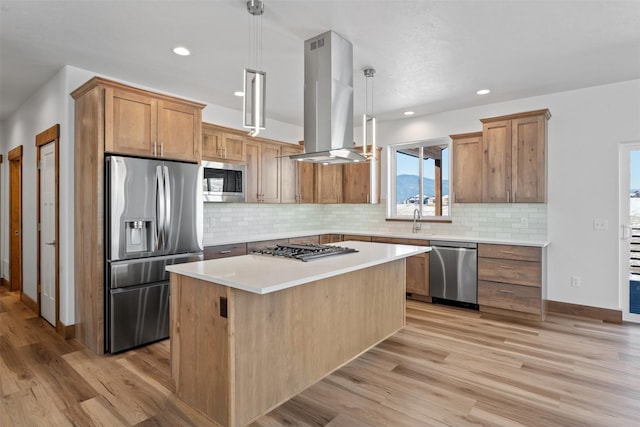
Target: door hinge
<point>39,227</point>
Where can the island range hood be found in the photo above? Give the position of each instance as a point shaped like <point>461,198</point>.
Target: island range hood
<point>328,101</point>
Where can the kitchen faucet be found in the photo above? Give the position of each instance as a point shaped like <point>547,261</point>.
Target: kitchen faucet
<point>416,216</point>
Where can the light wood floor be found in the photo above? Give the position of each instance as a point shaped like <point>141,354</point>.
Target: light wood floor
<point>448,367</point>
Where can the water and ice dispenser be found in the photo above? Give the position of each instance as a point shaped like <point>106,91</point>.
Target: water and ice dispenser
<point>138,236</point>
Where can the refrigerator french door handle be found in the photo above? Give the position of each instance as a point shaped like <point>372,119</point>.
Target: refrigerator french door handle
<point>167,202</point>
<point>160,208</point>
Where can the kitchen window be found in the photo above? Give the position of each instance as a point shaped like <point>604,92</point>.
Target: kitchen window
<point>419,179</point>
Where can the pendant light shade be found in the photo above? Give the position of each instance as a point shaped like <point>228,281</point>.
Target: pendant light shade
<point>369,136</point>
<point>253,107</point>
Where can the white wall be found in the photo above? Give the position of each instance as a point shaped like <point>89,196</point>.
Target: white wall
<point>4,202</point>
<point>39,113</point>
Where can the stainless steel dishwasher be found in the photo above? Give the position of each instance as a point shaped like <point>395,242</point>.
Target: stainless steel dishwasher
<point>453,273</point>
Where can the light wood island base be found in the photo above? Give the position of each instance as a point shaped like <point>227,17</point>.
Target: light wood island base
<point>271,347</point>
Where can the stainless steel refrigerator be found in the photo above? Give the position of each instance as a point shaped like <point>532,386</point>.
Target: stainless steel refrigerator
<point>153,212</point>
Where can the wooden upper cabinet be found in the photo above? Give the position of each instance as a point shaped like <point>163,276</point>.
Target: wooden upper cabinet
<point>294,177</point>
<point>233,147</point>
<point>528,181</point>
<point>270,173</point>
<point>130,122</point>
<point>328,181</point>
<point>467,167</point>
<point>146,124</point>
<point>496,162</point>
<point>252,155</point>
<point>514,157</point>
<point>263,172</point>
<point>221,146</point>
<point>306,182</point>
<point>179,131</point>
<point>356,181</point>
<point>211,142</point>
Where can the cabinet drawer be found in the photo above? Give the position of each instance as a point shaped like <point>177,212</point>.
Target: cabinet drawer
<point>224,251</point>
<point>510,297</point>
<point>400,241</point>
<point>523,253</point>
<point>306,240</point>
<point>510,271</point>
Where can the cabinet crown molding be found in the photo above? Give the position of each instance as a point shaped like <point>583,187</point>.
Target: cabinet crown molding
<point>544,111</point>
<point>100,81</point>
<point>466,135</point>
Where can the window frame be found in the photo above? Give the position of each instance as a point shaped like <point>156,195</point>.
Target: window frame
<point>392,149</point>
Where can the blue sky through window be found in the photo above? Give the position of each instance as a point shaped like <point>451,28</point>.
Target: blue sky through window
<point>635,170</point>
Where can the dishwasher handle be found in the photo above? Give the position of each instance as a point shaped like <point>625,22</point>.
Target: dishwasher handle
<point>454,244</point>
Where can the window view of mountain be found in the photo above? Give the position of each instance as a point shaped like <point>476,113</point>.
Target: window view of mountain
<point>407,187</point>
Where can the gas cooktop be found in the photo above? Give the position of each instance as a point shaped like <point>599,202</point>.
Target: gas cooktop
<point>306,252</point>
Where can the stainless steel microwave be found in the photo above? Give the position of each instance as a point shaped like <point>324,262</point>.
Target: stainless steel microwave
<point>224,182</point>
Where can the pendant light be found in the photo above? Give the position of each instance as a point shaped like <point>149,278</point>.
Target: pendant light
<point>369,135</point>
<point>253,107</point>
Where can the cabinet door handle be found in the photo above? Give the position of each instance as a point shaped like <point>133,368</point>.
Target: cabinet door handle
<point>225,252</point>
<point>508,196</point>
<point>155,149</point>
<point>508,267</point>
<point>504,291</point>
<point>507,252</point>
<point>161,149</point>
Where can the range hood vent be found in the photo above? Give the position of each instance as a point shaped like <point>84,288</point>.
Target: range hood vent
<point>328,101</point>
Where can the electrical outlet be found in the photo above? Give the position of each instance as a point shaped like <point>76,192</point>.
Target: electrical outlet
<point>600,224</point>
<point>575,281</point>
<point>524,222</point>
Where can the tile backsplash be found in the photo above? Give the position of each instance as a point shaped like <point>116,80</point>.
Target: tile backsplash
<point>230,222</point>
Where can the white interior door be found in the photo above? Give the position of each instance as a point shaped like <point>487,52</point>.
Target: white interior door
<point>630,231</point>
<point>48,233</point>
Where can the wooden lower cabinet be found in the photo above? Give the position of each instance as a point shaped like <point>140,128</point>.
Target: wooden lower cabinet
<point>510,280</point>
<point>330,238</point>
<point>356,237</point>
<point>417,268</point>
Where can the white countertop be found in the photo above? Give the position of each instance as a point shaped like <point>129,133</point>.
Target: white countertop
<point>264,274</point>
<point>419,236</point>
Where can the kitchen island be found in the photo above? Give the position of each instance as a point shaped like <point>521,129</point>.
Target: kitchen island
<point>250,332</point>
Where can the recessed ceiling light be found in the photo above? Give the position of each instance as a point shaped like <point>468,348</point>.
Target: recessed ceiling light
<point>408,113</point>
<point>483,91</point>
<point>182,51</point>
<point>238,93</point>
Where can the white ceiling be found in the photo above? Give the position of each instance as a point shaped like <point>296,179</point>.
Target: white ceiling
<point>430,56</point>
